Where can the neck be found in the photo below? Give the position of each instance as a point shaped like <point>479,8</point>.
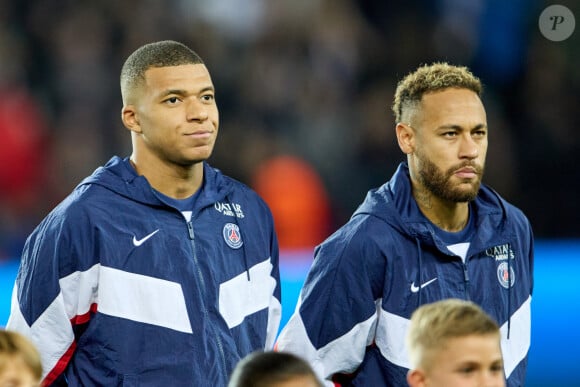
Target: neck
<point>173,180</point>
<point>449,216</point>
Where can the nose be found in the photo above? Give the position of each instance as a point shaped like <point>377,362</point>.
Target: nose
<point>196,111</point>
<point>491,379</point>
<point>469,148</point>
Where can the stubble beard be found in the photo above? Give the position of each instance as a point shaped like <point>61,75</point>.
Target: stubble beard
<point>439,183</point>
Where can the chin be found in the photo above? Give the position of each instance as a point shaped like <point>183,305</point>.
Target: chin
<point>464,196</point>
<point>189,161</point>
<point>196,157</point>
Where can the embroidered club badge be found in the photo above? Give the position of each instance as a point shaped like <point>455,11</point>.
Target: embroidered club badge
<point>232,236</point>
<point>506,279</point>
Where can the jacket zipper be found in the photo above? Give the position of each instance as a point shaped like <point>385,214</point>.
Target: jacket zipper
<point>466,280</point>
<point>202,282</point>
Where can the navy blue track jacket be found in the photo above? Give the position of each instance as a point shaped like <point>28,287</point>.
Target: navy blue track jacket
<point>369,276</point>
<point>116,288</point>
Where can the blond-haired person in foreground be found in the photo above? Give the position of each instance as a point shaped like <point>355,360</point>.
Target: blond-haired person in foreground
<point>454,343</point>
<point>19,361</point>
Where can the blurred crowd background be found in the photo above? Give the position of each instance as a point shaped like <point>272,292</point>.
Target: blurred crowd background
<point>304,89</point>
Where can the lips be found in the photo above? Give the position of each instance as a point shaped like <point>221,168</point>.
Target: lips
<point>199,134</point>
<point>466,173</point>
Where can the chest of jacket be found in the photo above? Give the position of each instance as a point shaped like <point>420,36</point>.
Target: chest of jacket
<point>164,245</point>
<point>178,282</point>
<point>497,276</point>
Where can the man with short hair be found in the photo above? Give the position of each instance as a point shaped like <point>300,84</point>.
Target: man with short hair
<point>157,269</point>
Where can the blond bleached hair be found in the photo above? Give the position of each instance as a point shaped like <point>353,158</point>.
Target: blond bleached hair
<point>13,345</point>
<point>432,325</point>
<point>427,79</point>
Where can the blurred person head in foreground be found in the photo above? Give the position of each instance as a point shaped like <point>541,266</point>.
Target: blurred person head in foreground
<point>454,343</point>
<point>20,364</point>
<point>273,369</point>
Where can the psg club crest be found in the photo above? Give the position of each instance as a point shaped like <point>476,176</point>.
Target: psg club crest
<point>232,235</point>
<point>506,278</point>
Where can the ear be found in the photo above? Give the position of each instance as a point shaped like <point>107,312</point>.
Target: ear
<point>416,378</point>
<point>130,118</point>
<point>405,138</point>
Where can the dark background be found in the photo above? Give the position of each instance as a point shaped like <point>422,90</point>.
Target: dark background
<point>313,79</point>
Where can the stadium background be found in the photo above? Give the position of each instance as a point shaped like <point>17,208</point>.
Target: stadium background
<point>304,89</point>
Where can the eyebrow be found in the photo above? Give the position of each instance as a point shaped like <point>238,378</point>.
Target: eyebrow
<point>459,127</point>
<point>184,92</point>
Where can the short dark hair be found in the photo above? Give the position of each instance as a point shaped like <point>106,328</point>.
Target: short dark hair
<point>264,369</point>
<point>430,78</point>
<point>158,54</point>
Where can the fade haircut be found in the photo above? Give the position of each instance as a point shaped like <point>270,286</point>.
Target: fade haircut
<point>427,79</point>
<point>432,325</point>
<point>158,54</point>
<point>14,345</point>
<point>266,369</point>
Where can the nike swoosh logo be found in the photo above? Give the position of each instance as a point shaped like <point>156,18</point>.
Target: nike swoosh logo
<point>139,242</point>
<point>415,289</point>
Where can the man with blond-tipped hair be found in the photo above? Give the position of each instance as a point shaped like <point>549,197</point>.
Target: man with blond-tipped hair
<point>433,231</point>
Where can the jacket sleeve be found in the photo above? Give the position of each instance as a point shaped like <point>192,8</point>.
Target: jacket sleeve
<point>336,315</point>
<point>531,257</point>
<point>275,307</point>
<point>51,300</point>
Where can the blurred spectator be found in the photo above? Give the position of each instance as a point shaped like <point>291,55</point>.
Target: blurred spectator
<point>298,200</point>
<point>24,149</point>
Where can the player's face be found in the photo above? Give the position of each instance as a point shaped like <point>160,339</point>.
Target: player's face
<point>15,373</point>
<point>176,114</point>
<point>450,144</point>
<point>470,361</point>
